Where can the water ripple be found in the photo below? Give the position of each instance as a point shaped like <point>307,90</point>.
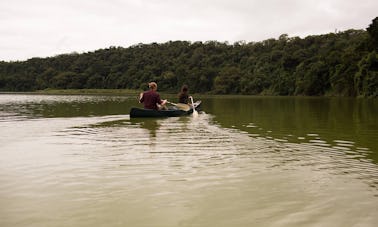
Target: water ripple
<point>156,166</point>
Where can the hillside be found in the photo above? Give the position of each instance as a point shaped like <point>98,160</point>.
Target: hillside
<point>336,64</point>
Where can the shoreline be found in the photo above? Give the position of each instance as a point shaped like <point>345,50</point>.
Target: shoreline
<point>77,92</point>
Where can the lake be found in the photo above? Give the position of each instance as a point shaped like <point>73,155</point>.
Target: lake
<point>79,160</point>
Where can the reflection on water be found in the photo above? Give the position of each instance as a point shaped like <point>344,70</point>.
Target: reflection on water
<point>48,106</point>
<point>229,167</point>
<point>150,124</point>
<point>299,119</point>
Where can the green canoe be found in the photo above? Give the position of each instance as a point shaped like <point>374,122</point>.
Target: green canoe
<point>172,112</point>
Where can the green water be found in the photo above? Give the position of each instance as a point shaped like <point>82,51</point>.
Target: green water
<point>298,119</point>
<point>72,160</point>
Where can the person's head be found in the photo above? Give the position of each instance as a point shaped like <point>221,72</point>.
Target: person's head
<point>184,89</point>
<point>152,86</point>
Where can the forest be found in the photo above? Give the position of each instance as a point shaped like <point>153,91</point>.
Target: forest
<point>343,63</point>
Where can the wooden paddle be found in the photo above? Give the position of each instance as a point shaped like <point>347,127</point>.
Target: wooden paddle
<point>181,106</point>
<point>195,113</point>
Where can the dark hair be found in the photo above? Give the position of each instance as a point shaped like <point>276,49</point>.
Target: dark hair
<point>184,89</point>
<point>183,95</point>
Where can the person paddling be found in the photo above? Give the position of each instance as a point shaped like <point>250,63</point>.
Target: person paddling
<point>151,99</point>
<point>183,96</point>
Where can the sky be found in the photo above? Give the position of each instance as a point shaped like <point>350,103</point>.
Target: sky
<point>44,28</point>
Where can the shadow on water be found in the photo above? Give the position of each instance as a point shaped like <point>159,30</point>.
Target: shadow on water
<point>150,124</point>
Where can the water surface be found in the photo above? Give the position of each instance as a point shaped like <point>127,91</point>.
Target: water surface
<point>244,161</point>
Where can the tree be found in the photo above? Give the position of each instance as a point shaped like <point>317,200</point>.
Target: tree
<point>311,78</point>
<point>168,81</point>
<point>95,81</point>
<point>373,32</point>
<point>342,79</point>
<point>253,84</point>
<point>227,82</point>
<point>366,79</point>
<point>62,80</point>
<point>43,80</point>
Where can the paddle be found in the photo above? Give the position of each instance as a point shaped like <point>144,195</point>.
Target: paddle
<point>195,113</point>
<point>181,106</point>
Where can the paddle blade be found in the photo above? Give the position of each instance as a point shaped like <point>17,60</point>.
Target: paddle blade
<point>195,113</point>
<point>182,106</point>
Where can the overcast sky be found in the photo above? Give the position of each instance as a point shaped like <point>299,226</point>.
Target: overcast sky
<point>41,28</point>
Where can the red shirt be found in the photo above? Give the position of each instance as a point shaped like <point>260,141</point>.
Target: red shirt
<point>150,99</point>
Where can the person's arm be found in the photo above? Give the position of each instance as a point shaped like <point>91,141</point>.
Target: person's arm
<point>161,101</point>
<point>141,99</point>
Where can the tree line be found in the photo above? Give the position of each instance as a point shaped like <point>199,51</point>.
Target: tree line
<point>335,64</point>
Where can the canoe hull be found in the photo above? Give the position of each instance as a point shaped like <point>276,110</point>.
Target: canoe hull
<point>140,112</point>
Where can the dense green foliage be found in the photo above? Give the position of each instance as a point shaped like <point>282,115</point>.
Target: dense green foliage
<point>342,64</point>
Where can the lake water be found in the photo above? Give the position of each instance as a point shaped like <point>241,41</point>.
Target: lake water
<point>244,161</point>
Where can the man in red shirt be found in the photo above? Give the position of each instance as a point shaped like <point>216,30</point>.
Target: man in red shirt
<point>151,98</point>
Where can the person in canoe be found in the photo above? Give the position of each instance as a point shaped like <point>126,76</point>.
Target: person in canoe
<point>183,96</point>
<point>151,99</point>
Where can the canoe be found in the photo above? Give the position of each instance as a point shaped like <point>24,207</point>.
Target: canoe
<point>171,112</point>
